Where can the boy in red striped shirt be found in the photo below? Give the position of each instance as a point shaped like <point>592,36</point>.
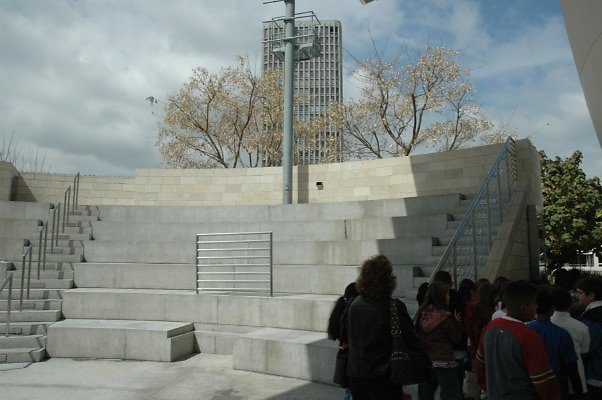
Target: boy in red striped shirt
<point>512,361</point>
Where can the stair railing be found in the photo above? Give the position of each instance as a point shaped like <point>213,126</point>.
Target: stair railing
<point>67,202</point>
<point>8,281</point>
<point>231,255</point>
<point>54,236</point>
<point>469,248</point>
<point>42,247</point>
<point>75,191</point>
<point>26,252</point>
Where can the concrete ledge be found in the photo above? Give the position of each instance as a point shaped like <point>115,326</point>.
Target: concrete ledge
<point>214,342</point>
<point>135,276</point>
<point>128,340</point>
<point>310,312</point>
<point>292,353</point>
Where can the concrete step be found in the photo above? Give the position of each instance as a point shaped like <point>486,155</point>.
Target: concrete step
<point>215,342</point>
<point>47,274</point>
<point>66,246</point>
<point>77,229</point>
<point>122,339</point>
<point>48,304</point>
<point>26,328</point>
<point>423,205</point>
<point>291,353</point>
<point>354,229</point>
<point>311,311</point>
<point>82,218</point>
<point>34,294</point>
<point>22,355</point>
<point>416,250</point>
<point>75,236</point>
<point>24,210</point>
<point>31,341</point>
<point>11,228</point>
<point>31,316</point>
<point>135,275</point>
<point>43,283</point>
<point>58,266</point>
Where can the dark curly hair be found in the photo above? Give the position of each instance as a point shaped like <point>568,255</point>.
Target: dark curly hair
<point>376,281</point>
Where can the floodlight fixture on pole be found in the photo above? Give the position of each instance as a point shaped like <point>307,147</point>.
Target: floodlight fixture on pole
<point>285,49</point>
<point>364,2</point>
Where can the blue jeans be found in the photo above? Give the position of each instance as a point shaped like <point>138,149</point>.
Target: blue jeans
<point>447,378</point>
<point>347,395</point>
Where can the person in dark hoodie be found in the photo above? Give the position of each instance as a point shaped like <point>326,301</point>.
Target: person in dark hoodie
<point>367,328</point>
<point>589,294</point>
<point>457,305</point>
<point>439,330</point>
<point>334,323</point>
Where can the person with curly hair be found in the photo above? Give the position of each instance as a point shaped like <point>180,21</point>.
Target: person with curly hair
<point>367,330</point>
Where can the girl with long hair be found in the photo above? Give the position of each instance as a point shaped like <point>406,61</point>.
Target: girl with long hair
<point>438,331</point>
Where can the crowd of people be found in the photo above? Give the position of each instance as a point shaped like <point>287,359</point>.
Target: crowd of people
<point>496,340</point>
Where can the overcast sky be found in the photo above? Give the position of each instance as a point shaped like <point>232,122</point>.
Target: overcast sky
<point>74,74</point>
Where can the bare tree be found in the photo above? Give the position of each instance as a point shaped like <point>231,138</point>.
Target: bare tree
<point>427,102</point>
<point>24,160</point>
<point>229,119</point>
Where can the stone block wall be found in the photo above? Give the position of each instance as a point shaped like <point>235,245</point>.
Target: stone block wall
<point>459,171</point>
<point>8,174</point>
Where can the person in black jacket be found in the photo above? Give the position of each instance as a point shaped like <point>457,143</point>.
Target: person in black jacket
<point>367,329</point>
<point>589,294</point>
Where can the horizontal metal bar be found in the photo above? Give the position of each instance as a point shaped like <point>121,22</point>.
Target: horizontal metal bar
<point>267,290</point>
<point>234,241</point>
<point>229,257</point>
<point>238,249</point>
<point>233,273</point>
<point>232,233</point>
<point>233,265</point>
<point>232,281</point>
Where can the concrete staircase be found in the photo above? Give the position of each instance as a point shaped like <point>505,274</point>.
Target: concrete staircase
<point>124,279</point>
<point>20,223</point>
<point>137,284</point>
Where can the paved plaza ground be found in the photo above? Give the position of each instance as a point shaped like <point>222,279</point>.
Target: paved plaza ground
<point>200,377</point>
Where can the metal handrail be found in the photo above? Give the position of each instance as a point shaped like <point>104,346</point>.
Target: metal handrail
<point>9,281</point>
<point>208,258</point>
<point>504,164</point>
<point>67,202</point>
<point>54,236</point>
<point>26,251</point>
<point>75,191</point>
<point>42,253</point>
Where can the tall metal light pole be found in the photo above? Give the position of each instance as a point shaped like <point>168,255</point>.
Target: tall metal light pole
<point>287,49</point>
<point>289,57</point>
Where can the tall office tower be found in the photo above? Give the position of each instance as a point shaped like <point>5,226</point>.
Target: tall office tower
<point>319,78</point>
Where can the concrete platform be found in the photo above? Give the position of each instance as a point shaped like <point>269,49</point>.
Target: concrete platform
<point>201,377</point>
<point>296,354</point>
<point>131,340</point>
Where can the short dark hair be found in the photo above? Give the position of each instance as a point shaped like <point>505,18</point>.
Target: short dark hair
<point>517,294</point>
<point>376,281</point>
<point>562,299</point>
<point>545,301</point>
<point>443,276</point>
<point>591,285</point>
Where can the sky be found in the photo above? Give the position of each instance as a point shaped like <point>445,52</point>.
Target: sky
<point>75,74</point>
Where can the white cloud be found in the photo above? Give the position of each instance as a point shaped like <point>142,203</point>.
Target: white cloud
<point>75,74</point>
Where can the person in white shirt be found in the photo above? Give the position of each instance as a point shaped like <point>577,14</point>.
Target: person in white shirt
<point>577,329</point>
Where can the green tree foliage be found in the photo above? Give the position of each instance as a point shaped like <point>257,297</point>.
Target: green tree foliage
<point>572,209</point>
